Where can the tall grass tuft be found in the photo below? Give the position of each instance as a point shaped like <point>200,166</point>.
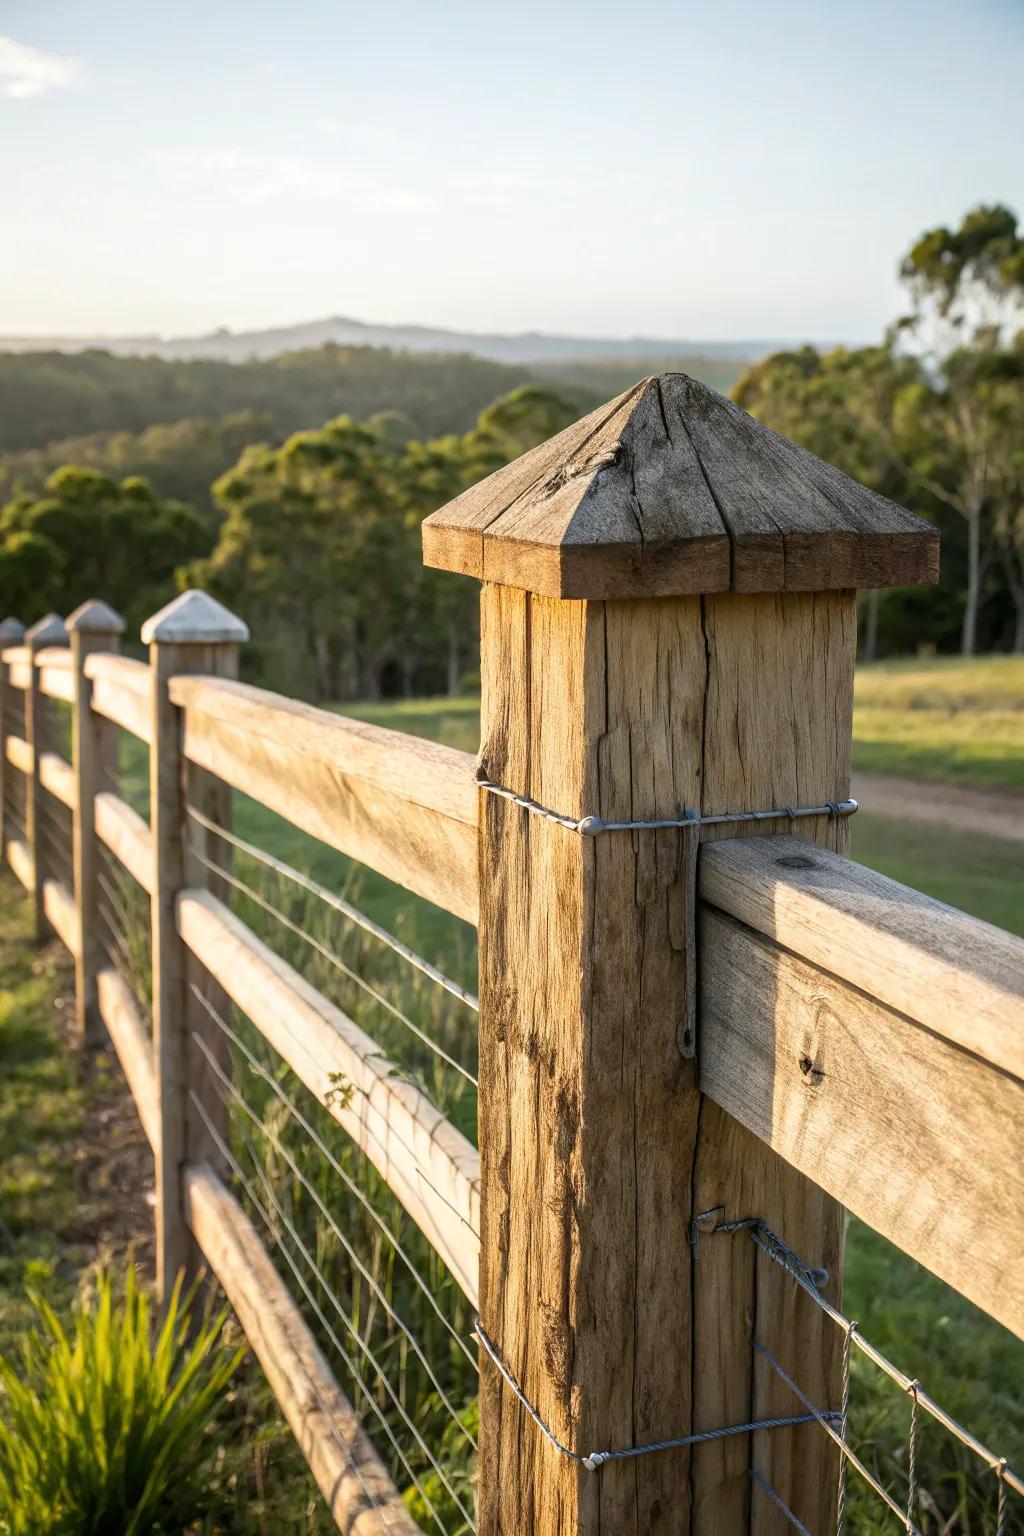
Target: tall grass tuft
<point>102,1426</point>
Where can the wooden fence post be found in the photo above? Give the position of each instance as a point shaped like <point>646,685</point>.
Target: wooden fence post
<point>94,626</point>
<point>193,634</point>
<point>11,633</point>
<point>667,621</point>
<point>47,631</point>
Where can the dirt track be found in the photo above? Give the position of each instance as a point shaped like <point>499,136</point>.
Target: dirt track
<point>990,812</point>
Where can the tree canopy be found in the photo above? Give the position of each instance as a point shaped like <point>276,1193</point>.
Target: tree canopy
<point>320,548</point>
<point>89,535</point>
<point>933,417</point>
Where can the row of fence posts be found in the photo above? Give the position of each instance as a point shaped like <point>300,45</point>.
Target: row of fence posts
<point>193,634</point>
<point>597,1148</point>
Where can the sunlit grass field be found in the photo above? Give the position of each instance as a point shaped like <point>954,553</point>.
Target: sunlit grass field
<point>933,718</point>
<point>943,718</point>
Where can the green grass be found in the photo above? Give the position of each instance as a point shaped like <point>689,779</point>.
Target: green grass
<point>943,718</point>
<point>73,1176</point>
<point>981,875</point>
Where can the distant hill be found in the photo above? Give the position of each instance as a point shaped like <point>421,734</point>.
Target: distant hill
<point>528,347</point>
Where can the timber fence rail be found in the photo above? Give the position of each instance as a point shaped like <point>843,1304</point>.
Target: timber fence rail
<point>701,1030</point>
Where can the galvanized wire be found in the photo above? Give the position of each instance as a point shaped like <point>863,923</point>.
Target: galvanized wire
<point>272,1228</point>
<point>592,826</point>
<point>824,1421</point>
<point>594,1460</point>
<point>778,1501</point>
<point>809,1280</point>
<point>360,1195</point>
<point>371,1358</point>
<point>345,908</point>
<point>777,1251</point>
<point>314,1195</point>
<point>333,959</point>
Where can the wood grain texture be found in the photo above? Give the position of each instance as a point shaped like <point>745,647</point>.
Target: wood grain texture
<point>426,1162</point>
<point>133,1045</point>
<point>671,489</point>
<point>597,1150</point>
<point>955,975</point>
<point>916,1136</point>
<point>57,777</point>
<point>61,914</point>
<point>121,691</point>
<point>359,1495</point>
<point>19,857</point>
<point>585,1258</point>
<point>127,835</point>
<point>777,731</point>
<point>404,806</point>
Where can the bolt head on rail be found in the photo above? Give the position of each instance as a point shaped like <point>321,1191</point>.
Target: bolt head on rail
<point>95,617</point>
<point>194,618</point>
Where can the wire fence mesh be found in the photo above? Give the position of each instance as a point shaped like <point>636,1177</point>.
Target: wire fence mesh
<point>389,1316</point>
<point>936,1479</point>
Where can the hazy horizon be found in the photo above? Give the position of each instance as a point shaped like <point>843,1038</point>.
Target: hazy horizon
<point>674,172</point>
<point>406,323</point>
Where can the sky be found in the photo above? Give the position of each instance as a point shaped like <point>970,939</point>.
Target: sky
<point>700,169</point>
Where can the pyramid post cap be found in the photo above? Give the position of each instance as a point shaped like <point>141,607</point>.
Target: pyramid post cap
<point>11,629</point>
<point>194,618</point>
<point>95,617</point>
<point>49,630</point>
<point>672,489</point>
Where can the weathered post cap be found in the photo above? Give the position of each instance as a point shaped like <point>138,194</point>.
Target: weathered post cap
<point>11,631</point>
<point>672,489</point>
<point>194,618</point>
<point>95,617</point>
<point>49,630</point>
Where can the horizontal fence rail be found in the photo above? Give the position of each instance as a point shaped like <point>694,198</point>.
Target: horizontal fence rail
<point>56,676</point>
<point>126,834</point>
<point>19,754</point>
<point>19,857</point>
<point>130,1037</point>
<point>431,1167</point>
<point>57,776</point>
<point>121,692</point>
<point>843,1013</point>
<point>404,806</point>
<point>17,660</point>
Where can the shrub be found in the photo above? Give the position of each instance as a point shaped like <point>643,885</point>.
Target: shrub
<point>102,1426</point>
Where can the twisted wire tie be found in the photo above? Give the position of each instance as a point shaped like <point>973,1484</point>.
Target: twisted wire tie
<point>596,1459</point>
<point>591,826</point>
